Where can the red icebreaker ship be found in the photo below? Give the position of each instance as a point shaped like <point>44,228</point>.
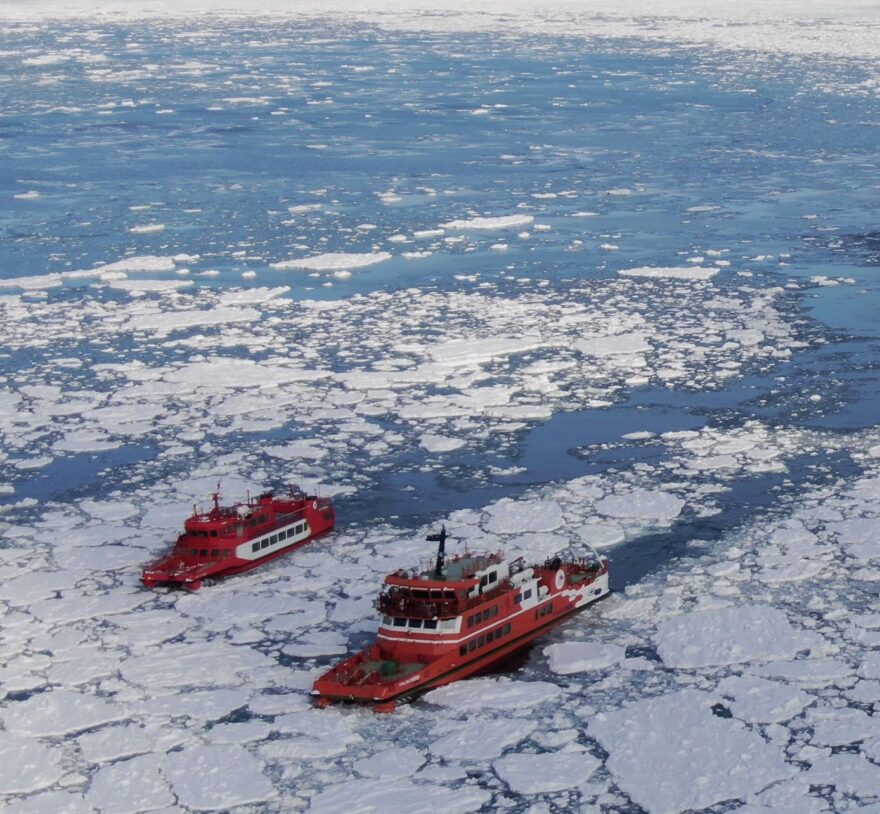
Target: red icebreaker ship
<point>230,539</point>
<point>458,617</point>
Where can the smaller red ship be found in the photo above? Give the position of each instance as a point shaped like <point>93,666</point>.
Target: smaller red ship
<point>458,617</point>
<point>231,539</point>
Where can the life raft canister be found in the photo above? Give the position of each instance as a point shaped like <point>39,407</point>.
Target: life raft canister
<point>559,580</point>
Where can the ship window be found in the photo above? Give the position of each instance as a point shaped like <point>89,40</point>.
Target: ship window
<point>282,535</point>
<point>506,628</point>
<point>527,594</point>
<point>399,621</point>
<point>484,581</point>
<point>436,593</point>
<point>255,546</point>
<point>264,543</point>
<point>462,650</point>
<point>273,539</point>
<point>415,622</point>
<point>471,621</point>
<point>420,593</point>
<point>213,532</point>
<point>215,552</point>
<point>492,576</point>
<point>481,641</point>
<point>431,624</point>
<point>447,624</point>
<point>203,552</point>
<point>386,620</point>
<point>472,645</point>
<point>450,595</point>
<point>518,598</point>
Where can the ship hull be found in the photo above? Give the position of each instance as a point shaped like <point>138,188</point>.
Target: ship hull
<point>231,541</point>
<point>337,686</point>
<point>192,577</point>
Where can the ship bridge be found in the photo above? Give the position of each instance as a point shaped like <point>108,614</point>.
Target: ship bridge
<point>461,584</point>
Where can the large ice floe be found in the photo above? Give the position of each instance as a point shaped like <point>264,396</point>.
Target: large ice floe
<point>227,362</point>
<point>701,685</point>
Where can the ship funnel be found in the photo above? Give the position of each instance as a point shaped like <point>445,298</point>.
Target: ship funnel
<point>441,550</point>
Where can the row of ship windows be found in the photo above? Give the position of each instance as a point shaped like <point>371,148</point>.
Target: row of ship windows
<point>544,610</point>
<point>217,553</point>
<point>482,641</point>
<point>277,538</point>
<point>488,613</point>
<point>423,624</point>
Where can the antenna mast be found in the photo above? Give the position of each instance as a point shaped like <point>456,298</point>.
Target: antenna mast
<point>441,550</point>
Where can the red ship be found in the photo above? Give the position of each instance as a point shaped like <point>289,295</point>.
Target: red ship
<point>231,539</point>
<point>458,617</point>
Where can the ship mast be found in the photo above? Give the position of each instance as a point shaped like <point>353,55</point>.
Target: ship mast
<point>441,550</point>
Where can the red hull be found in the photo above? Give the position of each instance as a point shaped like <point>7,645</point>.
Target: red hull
<point>466,635</point>
<point>231,540</point>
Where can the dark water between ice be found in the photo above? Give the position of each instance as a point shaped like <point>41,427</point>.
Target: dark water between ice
<point>215,136</point>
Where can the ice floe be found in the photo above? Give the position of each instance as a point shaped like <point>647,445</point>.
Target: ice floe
<point>403,796</point>
<point>710,759</point>
<point>545,772</point>
<point>730,636</point>
<point>217,777</point>
<point>333,261</point>
<point>576,657</point>
<point>685,273</point>
<point>480,223</point>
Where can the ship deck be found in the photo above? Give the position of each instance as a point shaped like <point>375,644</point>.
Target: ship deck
<point>455,570</point>
<point>390,670</point>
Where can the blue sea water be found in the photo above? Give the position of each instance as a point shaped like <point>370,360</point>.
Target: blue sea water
<point>214,133</point>
<point>246,144</point>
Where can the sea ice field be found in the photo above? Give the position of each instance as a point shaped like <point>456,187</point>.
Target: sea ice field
<point>600,279</point>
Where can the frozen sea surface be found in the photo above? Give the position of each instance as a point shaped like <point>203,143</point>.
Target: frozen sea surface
<point>550,292</point>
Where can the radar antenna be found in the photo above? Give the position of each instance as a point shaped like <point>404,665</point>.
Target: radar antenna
<point>441,550</point>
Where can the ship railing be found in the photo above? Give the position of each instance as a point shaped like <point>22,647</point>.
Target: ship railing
<point>417,608</point>
<point>243,529</point>
<point>395,605</point>
<point>356,675</point>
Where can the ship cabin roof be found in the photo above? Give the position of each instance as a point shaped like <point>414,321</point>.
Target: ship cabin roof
<point>461,571</point>
<point>244,518</point>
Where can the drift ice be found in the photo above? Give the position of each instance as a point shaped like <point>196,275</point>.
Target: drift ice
<point>457,617</point>
<point>231,539</point>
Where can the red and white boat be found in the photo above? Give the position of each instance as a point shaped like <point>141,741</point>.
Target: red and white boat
<point>231,539</point>
<point>458,617</point>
